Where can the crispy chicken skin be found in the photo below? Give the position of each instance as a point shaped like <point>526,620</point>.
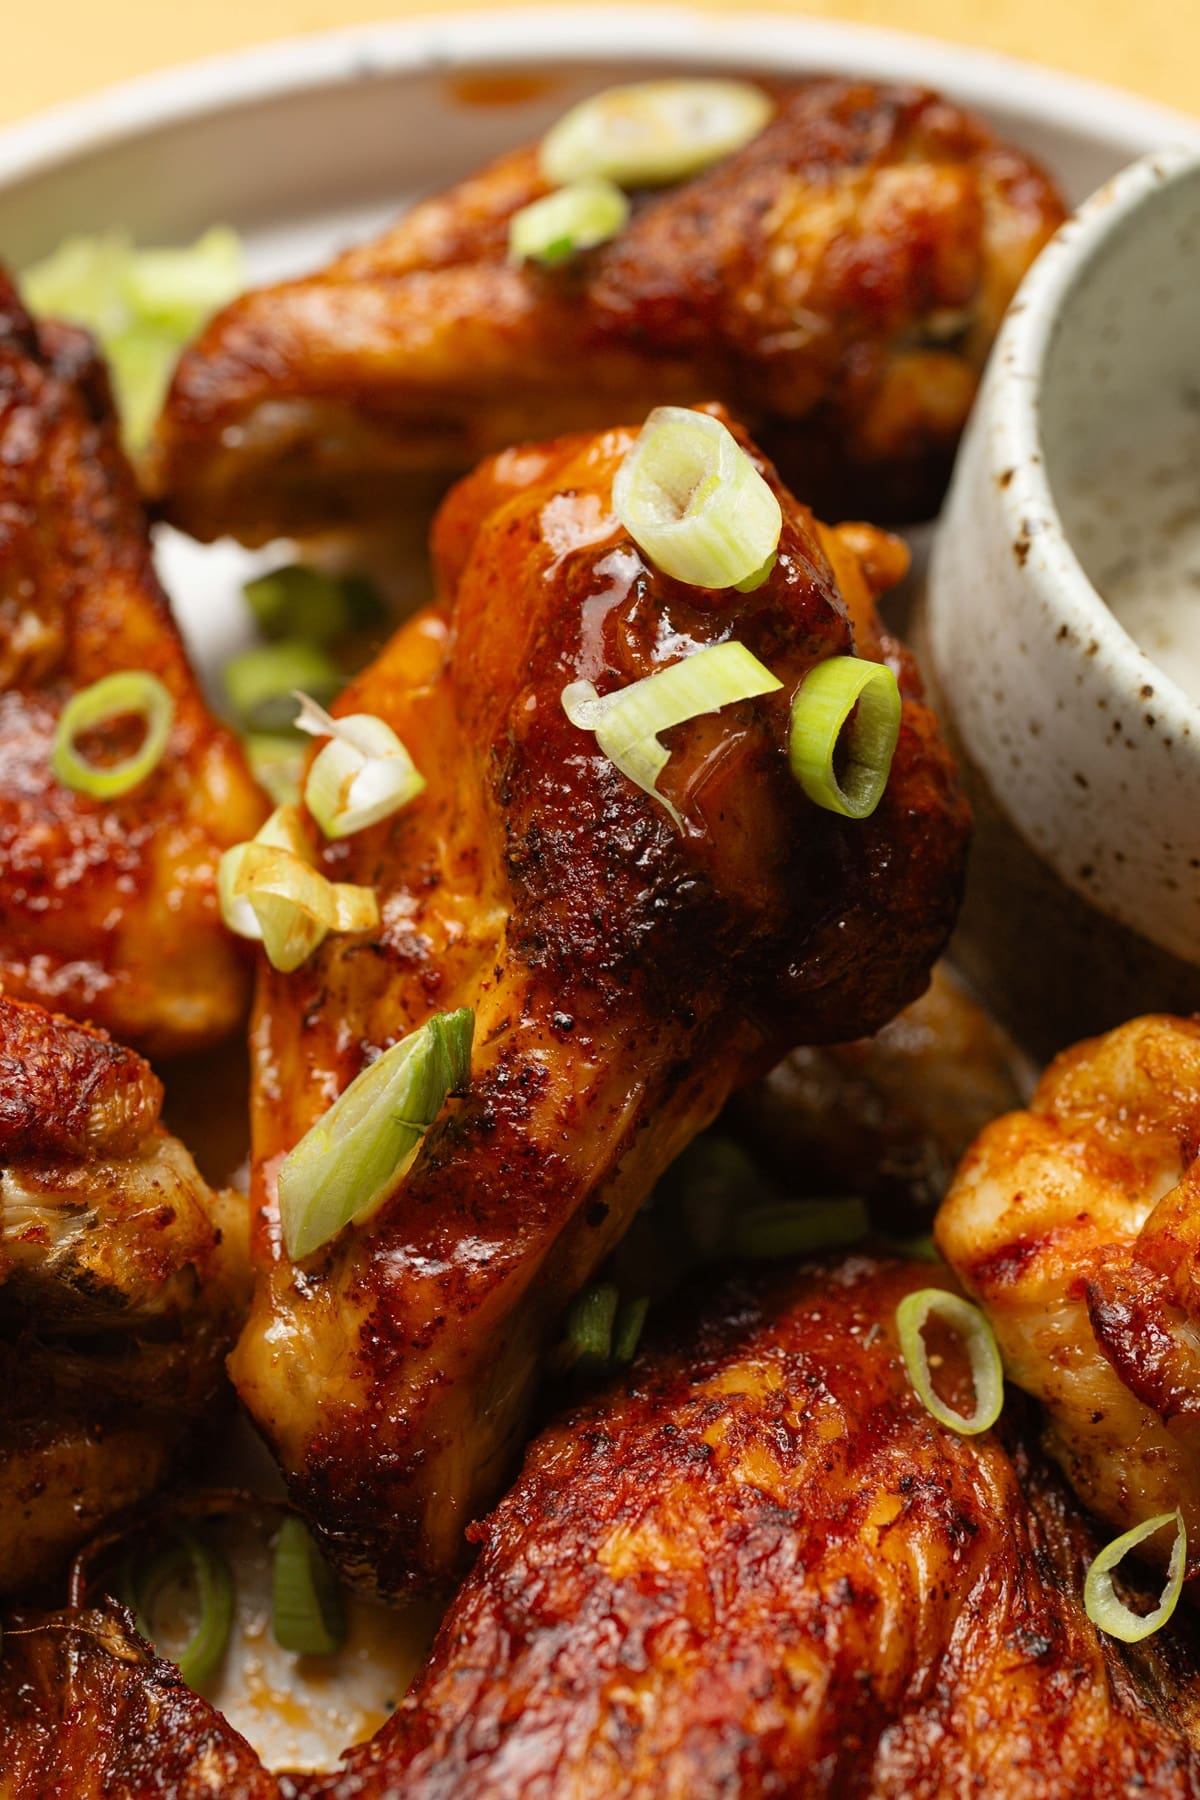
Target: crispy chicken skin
<point>108,908</point>
<point>88,1712</point>
<point>1077,1226</point>
<point>121,1284</point>
<point>837,282</point>
<point>624,976</point>
<point>759,1567</point>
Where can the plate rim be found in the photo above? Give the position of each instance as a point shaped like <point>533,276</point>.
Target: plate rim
<point>430,42</point>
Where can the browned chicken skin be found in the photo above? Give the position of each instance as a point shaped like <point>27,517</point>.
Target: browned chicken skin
<point>624,977</point>
<point>837,282</point>
<point>760,1568</point>
<point>122,1281</point>
<point>108,908</point>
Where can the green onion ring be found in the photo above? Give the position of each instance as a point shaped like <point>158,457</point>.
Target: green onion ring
<point>573,218</point>
<point>1110,1614</point>
<point>650,133</point>
<point>826,698</point>
<point>589,1323</point>
<point>306,1604</point>
<point>113,697</point>
<point>187,1555</point>
<point>987,1371</point>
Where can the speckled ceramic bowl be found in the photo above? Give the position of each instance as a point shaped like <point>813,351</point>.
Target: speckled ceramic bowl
<point>1078,483</point>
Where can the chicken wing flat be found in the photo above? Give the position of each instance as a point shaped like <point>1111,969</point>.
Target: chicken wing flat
<point>759,1567</point>
<point>624,975</point>
<point>837,282</point>
<point>121,1287</point>
<point>1077,1226</point>
<point>108,908</point>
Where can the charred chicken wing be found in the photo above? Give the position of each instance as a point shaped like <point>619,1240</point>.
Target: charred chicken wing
<point>108,907</point>
<point>838,282</point>
<point>624,972</point>
<point>121,1283</point>
<point>1077,1226</point>
<point>759,1567</point>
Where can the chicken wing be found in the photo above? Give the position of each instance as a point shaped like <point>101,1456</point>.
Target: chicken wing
<point>122,1281</point>
<point>759,1567</point>
<point>108,908</point>
<point>837,283</point>
<point>1077,1226</point>
<point>624,975</point>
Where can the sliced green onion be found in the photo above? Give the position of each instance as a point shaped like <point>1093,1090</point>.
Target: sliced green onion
<point>277,764</point>
<point>361,776</point>
<point>356,1155</point>
<point>827,696</point>
<point>753,582</point>
<point>589,1323</point>
<point>130,692</point>
<point>1100,1600</point>
<point>300,602</point>
<point>694,503</point>
<point>987,1372</point>
<point>573,218</point>
<point>653,132</point>
<point>307,1616</point>
<point>261,682</point>
<point>187,1561</point>
<point>178,289</point>
<point>282,831</point>
<point>627,1328</point>
<point>270,892</point>
<point>798,1228</point>
<point>627,721</point>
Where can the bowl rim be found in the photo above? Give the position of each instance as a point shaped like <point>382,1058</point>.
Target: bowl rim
<point>531,37</point>
<point>1019,361</point>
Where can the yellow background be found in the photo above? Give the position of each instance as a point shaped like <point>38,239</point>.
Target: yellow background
<point>52,50</point>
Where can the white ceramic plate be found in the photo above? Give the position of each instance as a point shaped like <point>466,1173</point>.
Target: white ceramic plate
<point>307,145</point>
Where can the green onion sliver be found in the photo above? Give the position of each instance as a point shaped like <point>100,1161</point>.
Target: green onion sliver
<point>573,218</point>
<point>798,1228</point>
<point>129,692</point>
<point>627,1328</point>
<point>653,132</point>
<point>189,1559</point>
<point>589,1323</point>
<point>1100,1600</point>
<point>627,722</point>
<point>296,601</point>
<point>362,775</point>
<point>261,682</point>
<point>270,892</point>
<point>306,1604</point>
<point>987,1371</point>
<point>277,764</point>
<point>694,503</point>
<point>828,695</point>
<point>355,1156</point>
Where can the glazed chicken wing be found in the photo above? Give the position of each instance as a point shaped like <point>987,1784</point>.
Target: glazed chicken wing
<point>108,908</point>
<point>122,1279</point>
<point>625,974</point>
<point>760,1568</point>
<point>838,282</point>
<point>1077,1226</point>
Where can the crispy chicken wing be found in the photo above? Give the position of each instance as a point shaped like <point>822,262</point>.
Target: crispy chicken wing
<point>837,282</point>
<point>108,908</point>
<point>1077,1225</point>
<point>122,1279</point>
<point>624,974</point>
<point>759,1567</point>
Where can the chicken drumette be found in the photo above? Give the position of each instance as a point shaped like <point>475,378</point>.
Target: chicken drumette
<point>838,282</point>
<point>108,907</point>
<point>625,974</point>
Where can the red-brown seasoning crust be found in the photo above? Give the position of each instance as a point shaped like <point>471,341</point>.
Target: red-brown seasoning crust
<point>108,908</point>
<point>837,283</point>
<point>758,1567</point>
<point>68,1090</point>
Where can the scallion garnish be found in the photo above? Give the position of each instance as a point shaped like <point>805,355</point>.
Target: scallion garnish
<point>187,1562</point>
<point>361,776</point>
<point>627,721</point>
<point>261,682</point>
<point>653,132</point>
<point>277,764</point>
<point>129,693</point>
<point>588,1330</point>
<point>627,1328</point>
<point>694,503</point>
<point>1100,1600</point>
<point>987,1371</point>
<point>270,892</point>
<point>577,217</point>
<point>306,1604</point>
<point>297,601</point>
<point>798,1228</point>
<point>356,1155</point>
<point>829,694</point>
